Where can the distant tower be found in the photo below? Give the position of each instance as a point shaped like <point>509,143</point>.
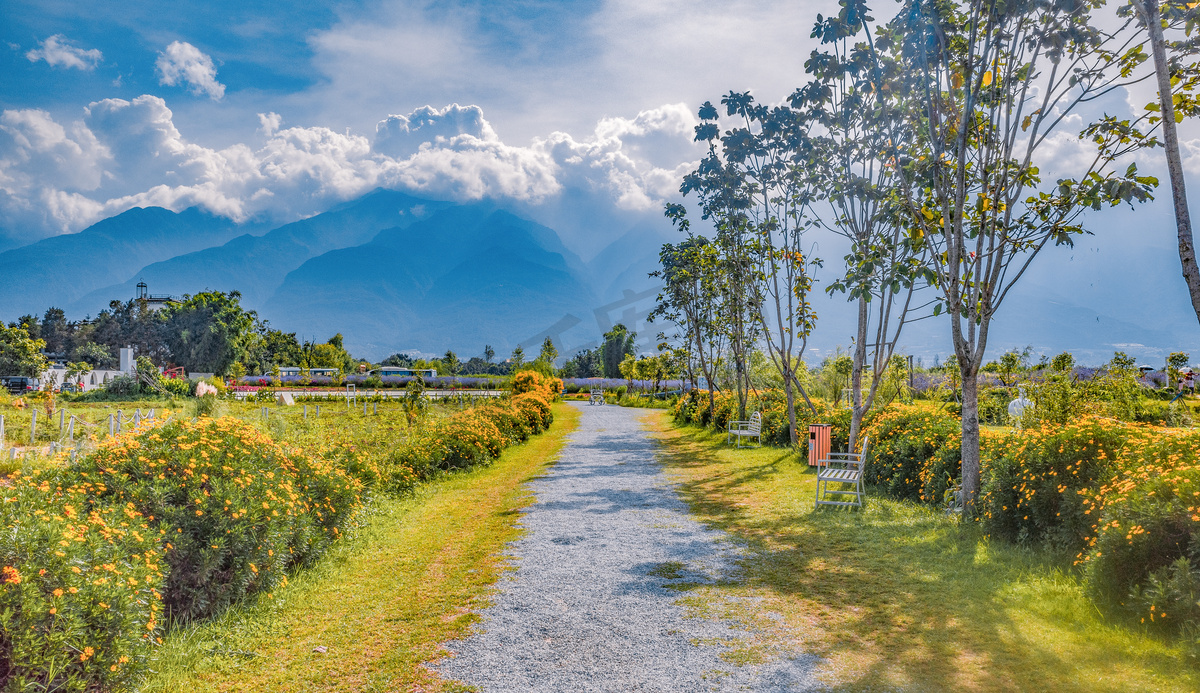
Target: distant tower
<point>152,302</point>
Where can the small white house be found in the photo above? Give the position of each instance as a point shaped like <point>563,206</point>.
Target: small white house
<point>90,380</point>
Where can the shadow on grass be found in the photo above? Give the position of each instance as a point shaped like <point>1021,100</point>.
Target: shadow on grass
<point>900,595</point>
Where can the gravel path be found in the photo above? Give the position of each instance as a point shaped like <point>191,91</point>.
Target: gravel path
<point>586,609</point>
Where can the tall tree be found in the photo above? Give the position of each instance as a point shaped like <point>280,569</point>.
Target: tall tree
<point>1177,82</point>
<point>993,80</point>
<point>618,343</point>
<point>209,331</point>
<point>21,354</point>
<point>691,298</point>
<point>549,353</point>
<point>451,362</point>
<point>862,130</point>
<point>756,183</point>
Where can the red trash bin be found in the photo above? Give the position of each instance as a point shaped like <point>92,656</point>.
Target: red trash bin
<point>819,443</point>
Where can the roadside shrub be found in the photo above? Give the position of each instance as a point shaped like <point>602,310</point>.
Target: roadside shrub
<point>1036,482</point>
<point>914,452</point>
<point>467,438</point>
<point>122,386</point>
<point>532,402</point>
<point>993,406</point>
<point>79,590</point>
<point>513,426</point>
<point>1145,555</point>
<point>532,381</point>
<point>235,509</point>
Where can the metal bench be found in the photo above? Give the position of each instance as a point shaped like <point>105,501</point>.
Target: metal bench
<point>844,469</point>
<point>597,396</point>
<point>746,429</point>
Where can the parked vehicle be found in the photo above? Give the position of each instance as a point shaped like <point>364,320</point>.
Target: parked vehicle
<point>18,384</point>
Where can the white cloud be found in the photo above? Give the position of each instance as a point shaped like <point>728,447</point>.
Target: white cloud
<point>399,135</point>
<point>182,63</point>
<point>123,154</point>
<point>58,51</point>
<point>618,56</point>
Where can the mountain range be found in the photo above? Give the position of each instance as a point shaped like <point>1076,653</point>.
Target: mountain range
<point>389,271</point>
<point>394,272</point>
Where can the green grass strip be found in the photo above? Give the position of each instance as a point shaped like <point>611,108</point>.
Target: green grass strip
<point>381,603</point>
<point>900,597</point>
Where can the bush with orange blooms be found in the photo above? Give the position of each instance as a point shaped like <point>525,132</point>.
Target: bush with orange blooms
<point>234,509</point>
<point>80,589</point>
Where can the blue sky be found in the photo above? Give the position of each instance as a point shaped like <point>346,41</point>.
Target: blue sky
<point>279,111</point>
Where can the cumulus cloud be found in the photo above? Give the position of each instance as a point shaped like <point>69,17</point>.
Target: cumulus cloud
<point>401,136</point>
<point>58,51</point>
<point>181,64</point>
<point>123,154</point>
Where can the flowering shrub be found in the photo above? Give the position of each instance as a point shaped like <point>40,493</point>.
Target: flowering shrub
<point>1036,483</point>
<point>532,381</point>
<point>79,590</point>
<point>234,509</point>
<point>1145,554</point>
<point>515,427</point>
<point>914,452</point>
<point>536,409</point>
<point>466,438</point>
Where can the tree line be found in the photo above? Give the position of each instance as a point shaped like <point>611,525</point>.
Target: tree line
<point>210,332</point>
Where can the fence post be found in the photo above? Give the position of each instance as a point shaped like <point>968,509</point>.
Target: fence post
<point>306,412</point>
<point>71,428</point>
<point>318,411</point>
<point>119,417</point>
<point>137,417</point>
<point>33,426</point>
<point>62,413</point>
<point>111,431</point>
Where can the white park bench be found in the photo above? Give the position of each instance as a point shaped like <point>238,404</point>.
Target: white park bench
<point>597,396</point>
<point>746,429</point>
<point>844,469</point>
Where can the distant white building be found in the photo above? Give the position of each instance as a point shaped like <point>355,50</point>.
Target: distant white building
<point>56,376</point>
<point>151,301</point>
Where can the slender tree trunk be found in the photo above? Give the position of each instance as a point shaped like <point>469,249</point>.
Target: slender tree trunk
<point>970,437</point>
<point>856,375</point>
<point>793,436</point>
<point>1183,222</point>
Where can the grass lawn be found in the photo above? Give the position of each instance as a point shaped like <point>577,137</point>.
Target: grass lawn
<point>379,604</point>
<point>899,596</point>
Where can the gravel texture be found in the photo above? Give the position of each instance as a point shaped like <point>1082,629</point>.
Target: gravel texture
<point>586,608</point>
